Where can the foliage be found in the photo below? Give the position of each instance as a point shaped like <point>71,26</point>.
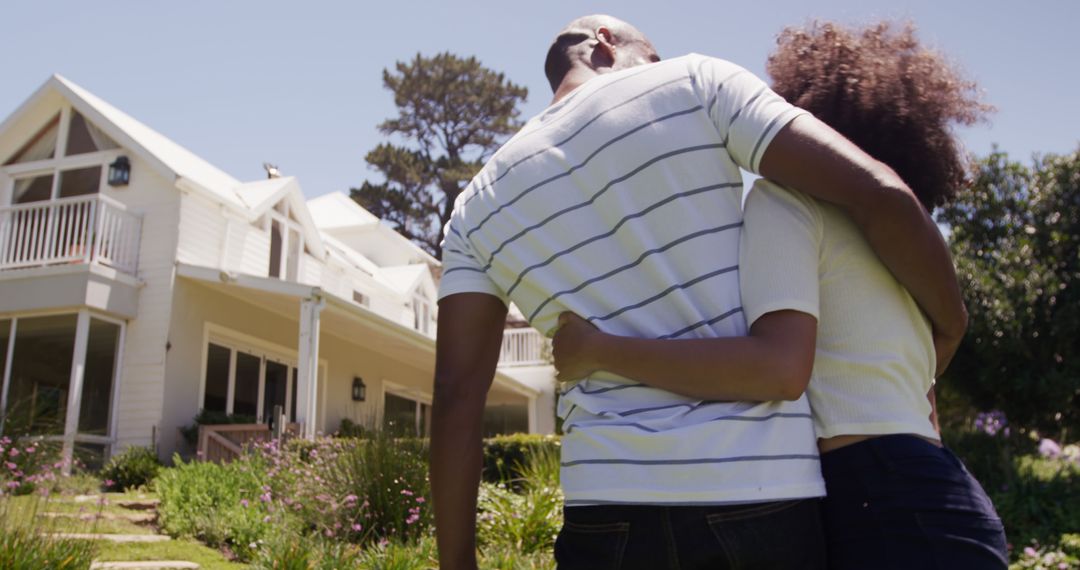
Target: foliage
<point>453,112</point>
<point>212,418</point>
<point>26,464</point>
<point>134,467</point>
<point>528,521</point>
<point>359,490</point>
<point>505,453</point>
<point>1015,237</point>
<point>217,504</point>
<point>349,428</point>
<point>1037,495</point>
<point>24,548</point>
<point>1063,556</point>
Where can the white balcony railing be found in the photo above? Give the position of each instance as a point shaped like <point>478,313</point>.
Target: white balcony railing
<point>523,347</point>
<point>85,229</point>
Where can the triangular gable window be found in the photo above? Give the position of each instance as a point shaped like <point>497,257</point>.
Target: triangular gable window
<point>41,146</point>
<point>84,137</point>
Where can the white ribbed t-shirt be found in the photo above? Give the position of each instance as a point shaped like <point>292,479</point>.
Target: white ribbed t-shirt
<point>621,203</point>
<point>875,352</point>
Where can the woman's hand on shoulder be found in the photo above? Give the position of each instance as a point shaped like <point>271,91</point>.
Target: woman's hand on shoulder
<point>574,348</point>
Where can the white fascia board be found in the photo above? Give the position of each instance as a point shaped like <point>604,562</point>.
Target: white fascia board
<point>267,284</point>
<point>188,185</point>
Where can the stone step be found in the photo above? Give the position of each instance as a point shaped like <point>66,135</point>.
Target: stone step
<point>136,518</point>
<point>112,537</point>
<point>139,505</point>
<point>146,565</point>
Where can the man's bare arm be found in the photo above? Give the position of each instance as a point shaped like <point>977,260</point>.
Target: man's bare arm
<point>467,352</point>
<point>811,157</point>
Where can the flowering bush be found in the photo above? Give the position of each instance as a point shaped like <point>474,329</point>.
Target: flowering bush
<point>24,466</point>
<point>210,502</point>
<point>1065,556</point>
<point>992,423</point>
<point>360,490</point>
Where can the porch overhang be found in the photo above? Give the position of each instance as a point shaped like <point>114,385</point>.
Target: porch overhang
<point>335,316</point>
<point>69,286</point>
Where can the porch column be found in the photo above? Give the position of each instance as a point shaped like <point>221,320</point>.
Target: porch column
<point>308,367</point>
<point>75,388</point>
<point>532,414</point>
<point>9,349</point>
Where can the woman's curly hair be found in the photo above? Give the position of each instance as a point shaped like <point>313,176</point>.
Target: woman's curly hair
<point>881,89</point>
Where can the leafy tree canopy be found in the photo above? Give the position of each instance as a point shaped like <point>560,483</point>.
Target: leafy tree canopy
<point>452,114</point>
<point>1016,241</point>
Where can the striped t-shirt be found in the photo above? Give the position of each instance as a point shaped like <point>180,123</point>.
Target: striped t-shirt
<point>621,203</point>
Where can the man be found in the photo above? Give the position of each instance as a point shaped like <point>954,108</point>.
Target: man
<point>620,203</point>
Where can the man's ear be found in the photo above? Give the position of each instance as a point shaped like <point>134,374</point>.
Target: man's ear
<point>605,42</point>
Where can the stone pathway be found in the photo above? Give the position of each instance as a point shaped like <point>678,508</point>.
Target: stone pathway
<point>149,565</point>
<point>142,512</point>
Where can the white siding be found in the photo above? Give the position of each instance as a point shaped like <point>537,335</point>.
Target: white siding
<point>141,394</point>
<point>202,231</point>
<point>248,249</point>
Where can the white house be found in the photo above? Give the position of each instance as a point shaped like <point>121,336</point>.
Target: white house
<point>139,284</point>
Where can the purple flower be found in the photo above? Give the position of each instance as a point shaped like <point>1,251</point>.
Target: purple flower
<point>1049,448</point>
<point>244,503</point>
<point>1029,551</point>
<point>357,527</point>
<point>991,423</point>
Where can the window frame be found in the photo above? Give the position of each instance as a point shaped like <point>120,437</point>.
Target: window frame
<point>58,164</point>
<point>235,342</point>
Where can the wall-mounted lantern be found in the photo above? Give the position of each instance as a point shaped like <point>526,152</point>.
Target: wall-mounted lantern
<point>120,172</point>
<point>359,390</point>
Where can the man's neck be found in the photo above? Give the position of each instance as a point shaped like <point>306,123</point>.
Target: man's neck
<point>574,79</point>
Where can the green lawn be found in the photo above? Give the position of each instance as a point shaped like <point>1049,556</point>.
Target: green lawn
<point>207,558</point>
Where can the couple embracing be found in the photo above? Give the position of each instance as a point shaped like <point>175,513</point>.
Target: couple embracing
<point>744,386</point>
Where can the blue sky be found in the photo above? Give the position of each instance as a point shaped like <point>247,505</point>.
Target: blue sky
<point>240,82</point>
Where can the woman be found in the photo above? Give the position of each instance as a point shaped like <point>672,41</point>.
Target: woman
<point>896,497</point>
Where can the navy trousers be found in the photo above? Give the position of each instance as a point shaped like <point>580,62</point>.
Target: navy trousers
<point>762,536</point>
<point>900,502</point>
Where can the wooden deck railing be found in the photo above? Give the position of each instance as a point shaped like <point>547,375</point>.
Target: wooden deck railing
<point>86,229</point>
<point>223,443</point>
<point>523,347</point>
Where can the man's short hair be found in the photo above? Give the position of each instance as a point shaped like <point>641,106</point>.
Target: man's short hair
<point>557,63</point>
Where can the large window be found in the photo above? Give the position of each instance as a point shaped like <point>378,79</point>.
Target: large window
<point>41,173</point>
<point>36,358</point>
<point>423,315</point>
<point>286,242</point>
<point>405,416</point>
<point>40,375</point>
<point>249,382</point>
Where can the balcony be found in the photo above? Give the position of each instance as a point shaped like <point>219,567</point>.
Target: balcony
<point>82,230</point>
<point>524,347</point>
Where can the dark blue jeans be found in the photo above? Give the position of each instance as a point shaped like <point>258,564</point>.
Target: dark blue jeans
<point>765,536</point>
<point>899,502</point>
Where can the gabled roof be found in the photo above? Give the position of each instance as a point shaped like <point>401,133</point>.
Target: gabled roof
<point>151,145</point>
<point>175,162</point>
<point>336,210</point>
<point>262,195</point>
<point>405,278</point>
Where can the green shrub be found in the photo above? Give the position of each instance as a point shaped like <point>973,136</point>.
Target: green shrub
<point>1036,497</point>
<point>25,549</point>
<point>504,453</point>
<point>134,467</point>
<point>359,490</point>
<point>218,504</point>
<point>1065,555</point>
<point>349,428</point>
<point>529,520</point>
